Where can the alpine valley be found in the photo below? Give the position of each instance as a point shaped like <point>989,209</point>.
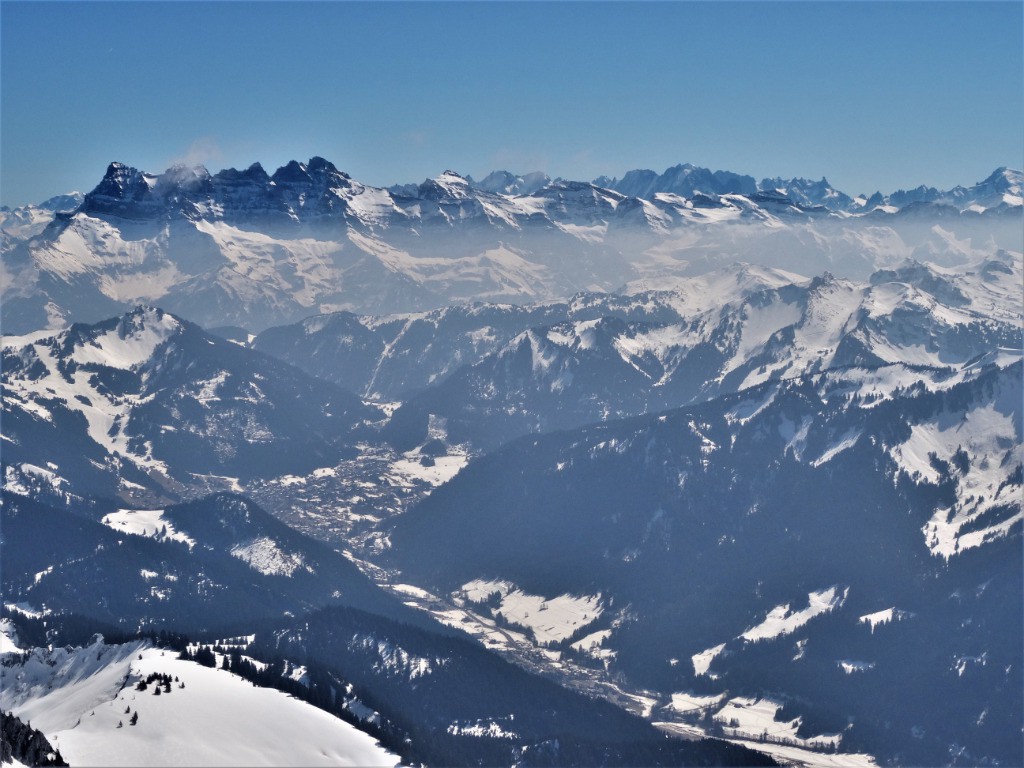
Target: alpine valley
<point>674,469</point>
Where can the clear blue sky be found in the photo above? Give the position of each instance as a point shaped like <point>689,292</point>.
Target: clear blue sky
<point>872,95</point>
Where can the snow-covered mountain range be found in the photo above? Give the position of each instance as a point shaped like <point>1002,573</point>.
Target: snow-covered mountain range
<point>581,371</point>
<point>253,249</point>
<point>740,458</point>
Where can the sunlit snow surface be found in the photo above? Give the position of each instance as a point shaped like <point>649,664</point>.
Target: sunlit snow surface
<point>753,718</point>
<point>117,349</point>
<point>439,470</point>
<point>264,555</point>
<point>8,637</point>
<point>396,660</point>
<point>145,522</point>
<point>550,619</point>
<point>702,661</point>
<point>886,616</point>
<point>217,719</point>
<point>781,620</point>
<point>688,702</point>
<point>981,446</point>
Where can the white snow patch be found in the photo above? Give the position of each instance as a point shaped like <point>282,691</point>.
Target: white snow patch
<point>591,645</point>
<point>886,616</point>
<point>848,440</point>
<point>702,661</point>
<point>146,522</point>
<point>550,619</point>
<point>782,621</point>
<point>13,483</point>
<point>27,610</point>
<point>755,719</point>
<point>395,659</point>
<point>689,702</point>
<point>409,589</point>
<point>8,637</point>
<point>489,729</point>
<point>436,471</point>
<point>264,555</point>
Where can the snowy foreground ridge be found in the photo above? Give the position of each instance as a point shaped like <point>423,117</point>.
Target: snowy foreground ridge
<point>78,698</point>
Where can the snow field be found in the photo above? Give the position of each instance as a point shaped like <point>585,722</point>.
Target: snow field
<point>124,348</point>
<point>988,441</point>
<point>218,719</point>
<point>781,620</point>
<point>54,689</point>
<point>395,659</point>
<point>145,522</point>
<point>702,661</point>
<point>409,469</point>
<point>591,644</point>
<point>8,638</point>
<point>754,718</point>
<point>688,702</point>
<point>551,620</point>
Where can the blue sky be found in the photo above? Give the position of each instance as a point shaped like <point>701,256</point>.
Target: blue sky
<point>873,95</point>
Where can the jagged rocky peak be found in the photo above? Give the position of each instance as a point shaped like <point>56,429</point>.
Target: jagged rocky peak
<point>317,172</point>
<point>507,183</point>
<point>806,192</point>
<point>318,164</point>
<point>254,174</point>
<point>293,172</point>
<point>684,179</point>
<point>123,182</point>
<point>193,179</point>
<point>127,191</point>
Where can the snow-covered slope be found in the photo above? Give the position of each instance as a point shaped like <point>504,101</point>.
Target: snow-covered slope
<point>149,401</point>
<point>389,357</point>
<point>579,371</point>
<point>80,699</point>
<point>28,221</point>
